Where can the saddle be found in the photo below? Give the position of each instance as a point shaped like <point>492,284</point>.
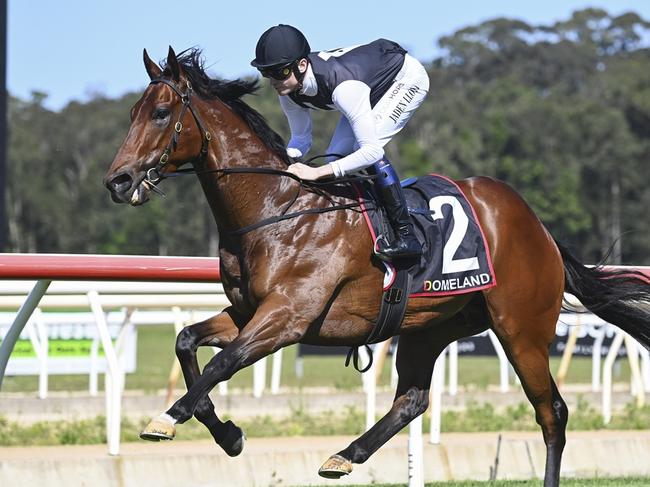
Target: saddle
<point>455,257</point>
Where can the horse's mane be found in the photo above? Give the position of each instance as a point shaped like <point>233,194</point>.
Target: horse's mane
<point>230,92</point>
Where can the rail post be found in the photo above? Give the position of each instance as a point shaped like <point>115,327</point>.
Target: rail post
<point>24,313</point>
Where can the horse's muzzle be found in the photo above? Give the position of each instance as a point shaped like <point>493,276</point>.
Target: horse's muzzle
<point>121,186</point>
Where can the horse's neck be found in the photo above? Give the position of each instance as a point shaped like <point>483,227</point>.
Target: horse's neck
<point>240,199</point>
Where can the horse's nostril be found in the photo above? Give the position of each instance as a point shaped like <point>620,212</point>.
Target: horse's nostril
<point>120,183</point>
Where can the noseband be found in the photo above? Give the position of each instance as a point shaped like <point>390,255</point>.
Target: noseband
<point>154,175</point>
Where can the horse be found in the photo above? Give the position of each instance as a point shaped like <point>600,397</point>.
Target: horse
<point>297,265</point>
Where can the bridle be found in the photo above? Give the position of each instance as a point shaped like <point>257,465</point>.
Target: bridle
<point>154,175</point>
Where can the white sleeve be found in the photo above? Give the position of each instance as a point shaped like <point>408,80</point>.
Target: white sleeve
<point>299,120</point>
<point>352,99</point>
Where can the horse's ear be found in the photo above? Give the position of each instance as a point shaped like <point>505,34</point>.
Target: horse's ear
<point>153,70</point>
<point>172,64</point>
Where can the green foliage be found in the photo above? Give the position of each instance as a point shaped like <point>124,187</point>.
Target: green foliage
<point>631,418</point>
<point>561,112</point>
<point>486,418</point>
<point>300,423</point>
<point>585,417</point>
<point>79,432</point>
<point>350,421</point>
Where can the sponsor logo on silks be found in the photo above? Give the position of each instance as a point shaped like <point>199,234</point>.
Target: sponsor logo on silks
<point>453,284</point>
<point>395,91</point>
<point>401,105</point>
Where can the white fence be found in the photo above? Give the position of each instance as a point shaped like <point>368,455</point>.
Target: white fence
<point>116,310</point>
<point>155,304</point>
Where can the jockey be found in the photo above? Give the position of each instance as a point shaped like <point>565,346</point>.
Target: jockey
<point>376,87</point>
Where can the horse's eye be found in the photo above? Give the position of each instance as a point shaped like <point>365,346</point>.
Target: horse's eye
<point>160,114</point>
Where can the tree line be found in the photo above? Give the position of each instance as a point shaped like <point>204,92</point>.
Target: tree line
<point>561,112</point>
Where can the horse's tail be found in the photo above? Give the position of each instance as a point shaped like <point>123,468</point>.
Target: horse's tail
<point>618,296</point>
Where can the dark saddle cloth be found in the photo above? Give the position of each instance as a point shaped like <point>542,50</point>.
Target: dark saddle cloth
<point>455,257</point>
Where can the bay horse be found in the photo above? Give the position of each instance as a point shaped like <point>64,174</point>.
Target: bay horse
<point>310,277</point>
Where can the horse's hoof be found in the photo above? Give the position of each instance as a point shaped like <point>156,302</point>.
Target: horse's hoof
<point>335,467</point>
<point>158,429</point>
<point>233,441</point>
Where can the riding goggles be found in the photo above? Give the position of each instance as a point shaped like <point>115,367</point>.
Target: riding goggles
<point>279,72</point>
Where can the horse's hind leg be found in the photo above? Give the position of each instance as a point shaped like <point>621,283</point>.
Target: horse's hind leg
<point>416,356</point>
<point>526,342</point>
<point>219,331</point>
<point>525,304</point>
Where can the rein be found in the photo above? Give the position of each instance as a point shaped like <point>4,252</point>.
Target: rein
<point>155,174</point>
<point>277,172</point>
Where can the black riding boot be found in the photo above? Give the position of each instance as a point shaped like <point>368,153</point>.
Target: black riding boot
<point>405,245</point>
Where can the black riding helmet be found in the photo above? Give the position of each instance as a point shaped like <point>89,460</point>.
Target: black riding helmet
<point>281,44</point>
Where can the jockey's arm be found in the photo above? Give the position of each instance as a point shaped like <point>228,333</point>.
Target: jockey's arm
<point>299,120</point>
<point>352,99</point>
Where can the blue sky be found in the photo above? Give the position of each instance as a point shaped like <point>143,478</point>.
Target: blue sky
<point>71,49</point>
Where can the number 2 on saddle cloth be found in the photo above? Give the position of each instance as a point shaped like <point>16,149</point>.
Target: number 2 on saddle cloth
<point>454,258</point>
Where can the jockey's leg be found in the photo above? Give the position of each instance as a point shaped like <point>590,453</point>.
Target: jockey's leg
<point>405,244</point>
<point>343,141</point>
<point>392,112</point>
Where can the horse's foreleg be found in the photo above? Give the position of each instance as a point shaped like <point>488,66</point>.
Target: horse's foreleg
<point>416,355</point>
<point>218,331</point>
<point>275,324</point>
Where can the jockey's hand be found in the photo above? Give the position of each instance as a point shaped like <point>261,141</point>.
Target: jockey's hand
<point>308,173</point>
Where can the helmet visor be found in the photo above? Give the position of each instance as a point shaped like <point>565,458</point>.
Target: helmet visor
<point>279,72</point>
